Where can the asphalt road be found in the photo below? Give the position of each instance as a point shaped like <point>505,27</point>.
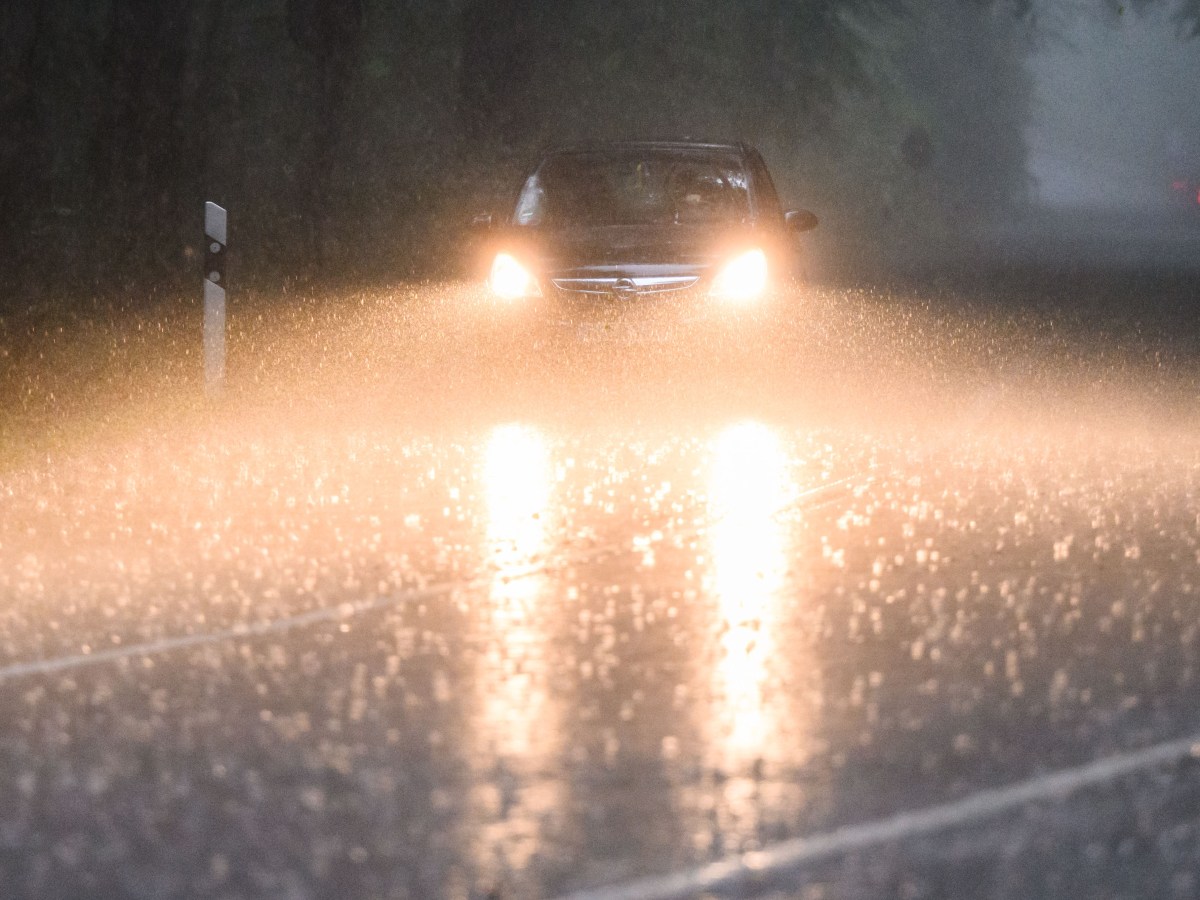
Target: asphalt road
<point>440,599</point>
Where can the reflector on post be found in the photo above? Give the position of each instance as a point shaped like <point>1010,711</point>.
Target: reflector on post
<point>215,225</point>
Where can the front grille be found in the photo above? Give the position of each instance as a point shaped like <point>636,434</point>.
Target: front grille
<point>653,284</point>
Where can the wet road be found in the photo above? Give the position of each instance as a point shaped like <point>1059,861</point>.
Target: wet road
<point>444,600</point>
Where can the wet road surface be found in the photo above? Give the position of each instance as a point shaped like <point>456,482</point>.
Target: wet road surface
<point>447,600</point>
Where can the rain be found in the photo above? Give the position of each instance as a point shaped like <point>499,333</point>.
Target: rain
<point>881,583</point>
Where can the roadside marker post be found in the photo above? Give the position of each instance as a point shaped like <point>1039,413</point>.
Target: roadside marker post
<point>215,234</point>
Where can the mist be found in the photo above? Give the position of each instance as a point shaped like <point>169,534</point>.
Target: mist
<point>1115,124</point>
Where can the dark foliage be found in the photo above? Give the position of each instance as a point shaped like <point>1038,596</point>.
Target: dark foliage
<point>354,136</point>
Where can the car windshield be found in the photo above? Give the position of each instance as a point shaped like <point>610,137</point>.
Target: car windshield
<point>635,187</point>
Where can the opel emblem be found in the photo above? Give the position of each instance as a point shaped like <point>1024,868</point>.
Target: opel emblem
<point>624,288</point>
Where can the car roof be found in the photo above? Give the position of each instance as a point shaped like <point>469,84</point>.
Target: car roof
<point>592,146</point>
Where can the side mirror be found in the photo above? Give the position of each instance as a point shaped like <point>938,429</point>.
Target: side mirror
<point>483,221</point>
<point>799,220</point>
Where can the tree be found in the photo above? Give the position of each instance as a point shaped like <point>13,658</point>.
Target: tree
<point>538,70</point>
<point>26,140</point>
<point>331,32</point>
<point>140,142</point>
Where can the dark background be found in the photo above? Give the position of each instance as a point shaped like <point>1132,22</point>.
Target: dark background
<point>352,138</point>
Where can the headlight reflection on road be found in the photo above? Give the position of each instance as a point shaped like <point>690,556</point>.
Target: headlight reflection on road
<point>517,480</point>
<point>749,482</point>
<point>518,730</point>
<point>517,483</point>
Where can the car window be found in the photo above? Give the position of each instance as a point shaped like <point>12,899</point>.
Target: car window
<point>765,195</point>
<point>531,203</point>
<point>633,188</point>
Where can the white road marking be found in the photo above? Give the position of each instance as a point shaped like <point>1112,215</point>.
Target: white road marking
<point>812,498</point>
<point>749,871</point>
<point>237,632</point>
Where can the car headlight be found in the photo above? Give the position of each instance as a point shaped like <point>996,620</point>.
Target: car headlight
<point>509,279</point>
<point>743,278</point>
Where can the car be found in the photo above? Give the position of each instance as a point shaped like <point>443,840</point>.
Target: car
<point>1185,196</point>
<point>622,222</point>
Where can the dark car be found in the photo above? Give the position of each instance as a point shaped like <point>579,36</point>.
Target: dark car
<point>624,221</point>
